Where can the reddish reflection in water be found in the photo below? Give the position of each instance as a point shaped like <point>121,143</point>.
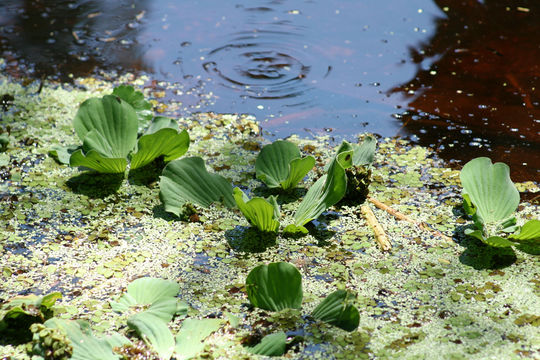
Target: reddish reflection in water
<point>481,93</point>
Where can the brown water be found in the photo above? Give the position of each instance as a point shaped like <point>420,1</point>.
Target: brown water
<point>462,77</point>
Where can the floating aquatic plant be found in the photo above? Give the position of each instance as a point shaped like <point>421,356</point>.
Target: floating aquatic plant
<point>108,128</point>
<point>279,165</point>
<point>326,191</point>
<point>261,213</point>
<point>491,198</point>
<point>359,173</point>
<point>187,180</point>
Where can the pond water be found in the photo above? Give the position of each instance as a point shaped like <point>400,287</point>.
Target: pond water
<point>462,77</point>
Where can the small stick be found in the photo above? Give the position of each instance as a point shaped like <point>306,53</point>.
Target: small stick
<point>380,235</point>
<point>404,217</point>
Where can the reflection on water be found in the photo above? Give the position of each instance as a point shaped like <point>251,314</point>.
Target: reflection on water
<point>480,92</point>
<point>59,37</point>
<point>450,74</point>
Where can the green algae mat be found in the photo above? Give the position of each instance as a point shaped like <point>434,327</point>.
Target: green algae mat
<point>80,238</point>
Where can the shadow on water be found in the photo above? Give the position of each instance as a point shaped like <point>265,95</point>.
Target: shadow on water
<point>481,256</point>
<point>148,174</point>
<point>95,185</point>
<point>250,239</point>
<point>476,91</point>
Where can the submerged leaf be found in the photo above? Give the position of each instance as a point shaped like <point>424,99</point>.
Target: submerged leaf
<point>280,165</point>
<point>258,211</point>
<point>489,189</point>
<point>328,189</point>
<point>270,345</point>
<point>337,310</point>
<point>186,180</point>
<point>190,338</point>
<point>275,287</point>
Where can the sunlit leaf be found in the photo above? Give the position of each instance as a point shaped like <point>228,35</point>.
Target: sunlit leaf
<point>258,211</point>
<point>85,345</point>
<point>154,332</point>
<point>275,286</point>
<point>93,160</point>
<point>495,241</point>
<point>159,294</point>
<point>280,165</point>
<point>187,180</point>
<point>364,153</point>
<point>490,189</point>
<point>270,345</point>
<point>337,310</point>
<point>190,338</point>
<point>136,99</point>
<point>165,141</point>
<point>529,231</point>
<point>328,189</point>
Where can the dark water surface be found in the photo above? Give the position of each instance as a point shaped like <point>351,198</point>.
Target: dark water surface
<point>460,76</point>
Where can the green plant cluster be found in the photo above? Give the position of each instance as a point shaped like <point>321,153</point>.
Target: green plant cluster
<point>110,130</point>
<point>149,303</point>
<point>491,198</point>
<point>278,165</point>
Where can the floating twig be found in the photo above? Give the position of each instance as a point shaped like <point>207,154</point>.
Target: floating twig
<point>401,216</point>
<point>380,235</point>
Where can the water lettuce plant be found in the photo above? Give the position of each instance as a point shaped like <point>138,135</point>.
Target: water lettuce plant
<point>150,304</point>
<point>491,198</point>
<point>279,165</point>
<point>278,286</point>
<point>259,212</point>
<point>187,180</point>
<point>108,128</point>
<point>359,173</point>
<point>142,107</point>
<point>326,191</point>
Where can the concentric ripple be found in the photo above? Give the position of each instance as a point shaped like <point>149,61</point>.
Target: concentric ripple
<point>259,67</point>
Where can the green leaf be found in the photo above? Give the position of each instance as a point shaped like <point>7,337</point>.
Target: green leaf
<point>154,332</point>
<point>85,345</point>
<point>93,160</point>
<point>136,99</point>
<point>364,153</point>
<point>186,180</point>
<point>337,310</point>
<point>497,241</point>
<point>108,129</point>
<point>529,231</point>
<point>190,338</point>
<point>294,230</point>
<point>107,125</point>
<point>158,293</point>
<point>328,189</point>
<point>275,286</point>
<point>280,165</point>
<point>259,212</point>
<point>490,189</point>
<point>165,142</point>
<point>270,345</point>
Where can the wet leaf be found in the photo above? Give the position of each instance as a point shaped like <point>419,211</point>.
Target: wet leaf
<point>270,345</point>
